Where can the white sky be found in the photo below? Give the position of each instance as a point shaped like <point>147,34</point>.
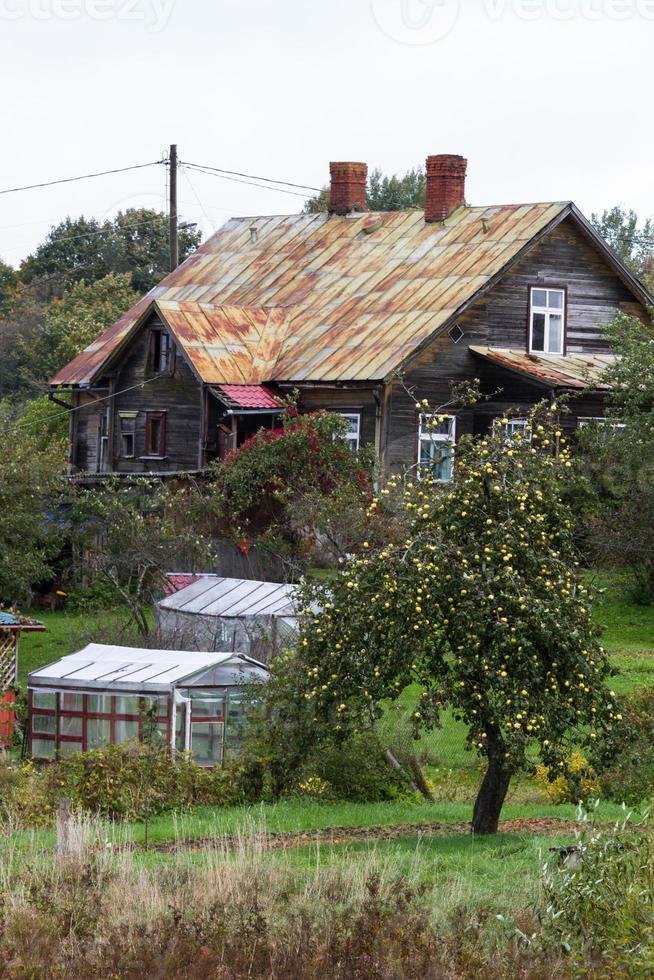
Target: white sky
<point>548,99</point>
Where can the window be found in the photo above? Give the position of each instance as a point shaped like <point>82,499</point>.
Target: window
<point>103,442</point>
<point>436,446</point>
<point>546,320</point>
<point>513,428</point>
<point>352,435</point>
<point>160,352</point>
<point>600,422</point>
<point>455,333</point>
<point>155,434</point>
<point>127,434</point>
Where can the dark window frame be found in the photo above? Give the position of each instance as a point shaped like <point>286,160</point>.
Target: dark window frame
<point>158,452</point>
<point>156,350</point>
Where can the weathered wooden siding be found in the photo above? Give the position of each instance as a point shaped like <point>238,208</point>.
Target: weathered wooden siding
<point>354,400</point>
<point>500,319</point>
<point>178,394</point>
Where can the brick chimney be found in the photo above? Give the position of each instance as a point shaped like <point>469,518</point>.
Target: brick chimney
<point>446,186</point>
<point>348,187</point>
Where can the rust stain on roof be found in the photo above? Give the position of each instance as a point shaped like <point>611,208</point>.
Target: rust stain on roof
<point>574,371</point>
<point>321,298</point>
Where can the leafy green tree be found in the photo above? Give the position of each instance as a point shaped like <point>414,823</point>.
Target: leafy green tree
<point>633,243</point>
<point>8,287</point>
<point>396,193</point>
<point>17,329</point>
<point>131,535</point>
<point>383,194</point>
<point>618,459</point>
<point>73,322</point>
<point>134,242</point>
<point>288,487</point>
<point>481,606</point>
<point>32,488</point>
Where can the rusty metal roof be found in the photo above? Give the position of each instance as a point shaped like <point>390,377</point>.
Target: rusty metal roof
<point>317,297</point>
<point>574,371</point>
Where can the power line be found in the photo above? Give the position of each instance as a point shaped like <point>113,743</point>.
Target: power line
<point>235,173</point>
<point>248,183</point>
<point>70,180</point>
<point>77,408</point>
<point>195,194</point>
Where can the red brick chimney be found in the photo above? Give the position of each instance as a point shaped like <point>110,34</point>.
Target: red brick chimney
<point>446,186</point>
<point>348,187</point>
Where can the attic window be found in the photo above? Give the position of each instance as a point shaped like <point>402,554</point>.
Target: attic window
<point>160,351</point>
<point>455,334</point>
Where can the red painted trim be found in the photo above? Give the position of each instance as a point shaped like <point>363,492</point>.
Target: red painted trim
<point>160,450</point>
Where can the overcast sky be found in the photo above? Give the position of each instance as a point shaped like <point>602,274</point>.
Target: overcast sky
<point>548,99</point>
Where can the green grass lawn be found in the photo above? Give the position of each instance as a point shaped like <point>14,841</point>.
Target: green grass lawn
<point>68,632</point>
<point>628,638</point>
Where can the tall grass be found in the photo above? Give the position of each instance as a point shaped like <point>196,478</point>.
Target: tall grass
<point>100,911</point>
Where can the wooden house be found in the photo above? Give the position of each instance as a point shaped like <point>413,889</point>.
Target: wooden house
<point>363,314</point>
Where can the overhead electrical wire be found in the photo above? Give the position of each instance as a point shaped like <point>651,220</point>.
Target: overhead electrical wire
<point>236,173</point>
<point>248,183</point>
<point>70,180</point>
<point>76,408</point>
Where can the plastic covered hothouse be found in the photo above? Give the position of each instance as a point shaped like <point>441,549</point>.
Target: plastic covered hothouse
<point>215,613</point>
<point>105,695</point>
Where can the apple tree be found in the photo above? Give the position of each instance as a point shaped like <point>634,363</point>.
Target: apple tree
<point>481,606</point>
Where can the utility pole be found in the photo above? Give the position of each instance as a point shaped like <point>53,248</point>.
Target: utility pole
<point>172,209</point>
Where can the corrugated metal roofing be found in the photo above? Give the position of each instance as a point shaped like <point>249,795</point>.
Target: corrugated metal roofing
<point>574,371</point>
<point>233,598</point>
<point>100,666</point>
<point>249,396</point>
<point>318,297</point>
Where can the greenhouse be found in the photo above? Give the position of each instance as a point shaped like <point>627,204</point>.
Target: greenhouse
<point>215,613</point>
<point>108,695</point>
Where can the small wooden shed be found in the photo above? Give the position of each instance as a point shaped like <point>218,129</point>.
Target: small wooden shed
<point>101,696</point>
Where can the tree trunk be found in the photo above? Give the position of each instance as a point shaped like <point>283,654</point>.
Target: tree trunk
<point>488,805</point>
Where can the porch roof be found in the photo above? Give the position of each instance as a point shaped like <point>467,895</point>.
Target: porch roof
<point>567,372</point>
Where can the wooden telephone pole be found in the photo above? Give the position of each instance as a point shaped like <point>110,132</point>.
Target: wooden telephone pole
<point>172,208</point>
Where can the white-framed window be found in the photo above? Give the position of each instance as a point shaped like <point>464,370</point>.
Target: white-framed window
<point>546,320</point>
<point>353,434</point>
<point>599,421</point>
<point>512,428</point>
<point>436,441</point>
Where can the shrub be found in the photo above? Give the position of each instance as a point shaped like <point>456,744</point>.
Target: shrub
<point>356,770</point>
<point>627,760</point>
<point>599,906</point>
<point>577,783</point>
<point>119,782</point>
